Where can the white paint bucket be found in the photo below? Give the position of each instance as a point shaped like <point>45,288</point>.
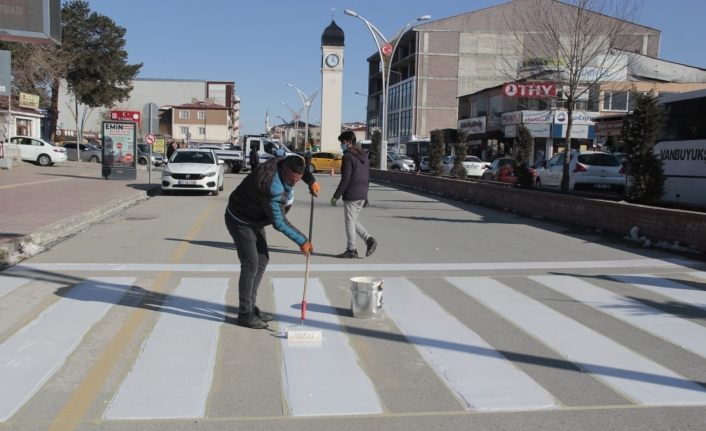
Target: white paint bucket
<point>366,297</point>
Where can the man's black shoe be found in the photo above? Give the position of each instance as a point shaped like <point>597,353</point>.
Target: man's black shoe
<point>263,315</point>
<point>348,254</point>
<point>250,320</point>
<point>372,245</point>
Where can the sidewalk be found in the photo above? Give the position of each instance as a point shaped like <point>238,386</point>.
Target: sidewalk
<point>40,205</point>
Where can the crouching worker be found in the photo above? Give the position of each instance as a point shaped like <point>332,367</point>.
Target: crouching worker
<point>261,199</point>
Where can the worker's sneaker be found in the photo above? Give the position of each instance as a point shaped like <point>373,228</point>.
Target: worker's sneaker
<point>263,315</point>
<point>348,254</point>
<point>372,245</point>
<point>250,320</point>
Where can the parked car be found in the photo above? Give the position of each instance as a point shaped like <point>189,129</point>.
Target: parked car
<point>144,151</point>
<point>87,152</point>
<point>588,170</point>
<point>397,162</point>
<point>474,166</point>
<point>424,164</point>
<point>193,169</point>
<point>494,171</point>
<point>326,161</point>
<point>38,150</point>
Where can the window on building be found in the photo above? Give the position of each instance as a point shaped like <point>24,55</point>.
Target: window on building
<point>202,131</point>
<point>184,130</point>
<point>201,115</point>
<point>184,114</point>
<point>615,101</point>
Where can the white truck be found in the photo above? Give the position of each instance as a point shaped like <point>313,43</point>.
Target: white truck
<point>231,154</point>
<point>266,148</point>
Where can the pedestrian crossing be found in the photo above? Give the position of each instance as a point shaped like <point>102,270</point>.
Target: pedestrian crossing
<point>172,375</point>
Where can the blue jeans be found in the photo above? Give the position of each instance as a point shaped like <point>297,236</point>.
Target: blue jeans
<point>353,226</point>
<point>251,244</point>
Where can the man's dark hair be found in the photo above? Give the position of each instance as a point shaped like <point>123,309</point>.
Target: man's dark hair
<point>348,135</point>
<point>294,163</point>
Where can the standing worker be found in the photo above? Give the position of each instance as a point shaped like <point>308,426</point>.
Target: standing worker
<point>261,199</point>
<point>355,175</point>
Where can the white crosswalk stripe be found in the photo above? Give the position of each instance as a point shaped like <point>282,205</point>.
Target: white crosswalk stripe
<point>480,375</point>
<point>678,331</point>
<point>644,381</point>
<point>324,378</point>
<point>172,376</point>
<point>31,356</point>
<point>666,287</point>
<point>8,284</point>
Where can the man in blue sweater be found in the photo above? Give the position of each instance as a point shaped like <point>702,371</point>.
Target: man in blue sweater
<point>261,199</point>
<point>353,187</point>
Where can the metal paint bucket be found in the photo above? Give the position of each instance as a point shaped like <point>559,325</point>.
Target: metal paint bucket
<point>366,297</point>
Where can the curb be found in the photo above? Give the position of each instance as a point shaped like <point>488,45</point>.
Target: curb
<point>27,246</point>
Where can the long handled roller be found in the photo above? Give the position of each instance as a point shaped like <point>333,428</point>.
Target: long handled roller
<point>298,332</point>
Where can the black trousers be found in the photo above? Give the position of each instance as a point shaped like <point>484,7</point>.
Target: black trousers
<point>251,244</point>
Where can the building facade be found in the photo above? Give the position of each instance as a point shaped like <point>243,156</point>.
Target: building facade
<point>439,61</point>
<point>165,93</point>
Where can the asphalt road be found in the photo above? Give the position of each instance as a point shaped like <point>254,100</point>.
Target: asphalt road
<point>491,321</point>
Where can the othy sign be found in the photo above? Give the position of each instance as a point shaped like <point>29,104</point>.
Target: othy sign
<point>529,89</point>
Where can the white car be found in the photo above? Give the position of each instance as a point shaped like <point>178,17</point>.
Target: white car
<point>38,150</point>
<point>588,170</point>
<point>398,162</point>
<point>474,166</point>
<point>193,169</point>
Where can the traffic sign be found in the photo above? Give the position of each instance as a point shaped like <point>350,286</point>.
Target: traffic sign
<point>149,139</point>
<point>386,50</point>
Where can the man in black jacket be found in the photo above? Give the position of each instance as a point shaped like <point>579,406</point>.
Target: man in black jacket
<point>261,199</point>
<point>353,187</point>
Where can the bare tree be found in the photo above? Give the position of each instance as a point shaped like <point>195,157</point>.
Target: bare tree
<point>581,43</point>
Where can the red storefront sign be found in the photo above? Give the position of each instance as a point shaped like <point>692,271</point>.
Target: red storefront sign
<point>126,116</point>
<point>529,89</point>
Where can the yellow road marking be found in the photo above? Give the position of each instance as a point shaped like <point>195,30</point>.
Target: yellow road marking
<point>76,407</point>
<point>12,186</point>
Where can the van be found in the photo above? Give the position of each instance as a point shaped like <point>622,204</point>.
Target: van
<point>265,147</point>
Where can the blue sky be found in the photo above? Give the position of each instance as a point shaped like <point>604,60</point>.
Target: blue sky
<point>263,45</point>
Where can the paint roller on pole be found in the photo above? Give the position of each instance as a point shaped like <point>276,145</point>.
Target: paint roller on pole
<point>299,332</point>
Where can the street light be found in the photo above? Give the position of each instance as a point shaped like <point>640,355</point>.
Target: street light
<point>306,101</point>
<point>295,116</point>
<point>389,51</point>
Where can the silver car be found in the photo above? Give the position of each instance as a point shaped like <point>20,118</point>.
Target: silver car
<point>397,162</point>
<point>87,152</point>
<point>143,151</point>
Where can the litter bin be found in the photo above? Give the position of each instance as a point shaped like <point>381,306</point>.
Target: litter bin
<point>366,297</point>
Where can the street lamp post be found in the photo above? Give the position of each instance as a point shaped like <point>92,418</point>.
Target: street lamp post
<point>306,101</point>
<point>295,116</point>
<point>385,50</point>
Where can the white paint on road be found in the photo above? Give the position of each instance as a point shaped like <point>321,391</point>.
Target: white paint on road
<point>9,283</point>
<point>322,378</point>
<point>675,330</point>
<point>30,357</point>
<point>480,375</point>
<point>669,288</point>
<point>172,376</point>
<point>337,267</point>
<point>639,378</point>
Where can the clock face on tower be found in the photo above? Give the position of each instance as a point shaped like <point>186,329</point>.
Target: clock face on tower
<point>332,60</point>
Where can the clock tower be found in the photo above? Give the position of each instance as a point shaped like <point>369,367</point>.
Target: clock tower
<point>331,86</point>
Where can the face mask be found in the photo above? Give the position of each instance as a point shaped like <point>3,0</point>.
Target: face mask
<point>344,147</point>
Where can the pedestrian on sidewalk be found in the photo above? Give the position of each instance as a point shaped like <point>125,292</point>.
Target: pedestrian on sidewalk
<point>353,187</point>
<point>263,198</point>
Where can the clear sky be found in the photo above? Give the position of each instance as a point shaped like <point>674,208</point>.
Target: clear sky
<point>263,45</point>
